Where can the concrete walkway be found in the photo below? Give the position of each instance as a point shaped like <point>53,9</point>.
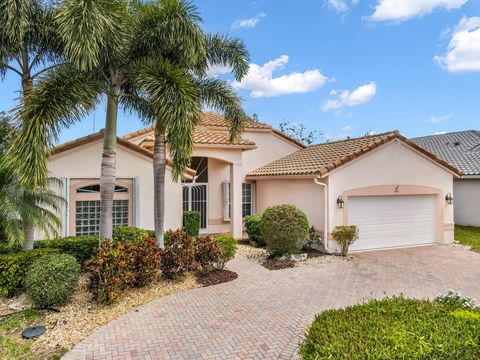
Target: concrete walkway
<point>263,314</point>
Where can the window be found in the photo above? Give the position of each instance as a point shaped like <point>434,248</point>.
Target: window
<point>87,216</point>
<point>93,189</point>
<point>247,199</point>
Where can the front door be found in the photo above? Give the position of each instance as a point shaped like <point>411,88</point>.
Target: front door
<point>195,197</point>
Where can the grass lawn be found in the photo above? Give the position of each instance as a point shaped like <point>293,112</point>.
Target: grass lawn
<point>395,328</point>
<point>468,235</point>
<point>12,346</point>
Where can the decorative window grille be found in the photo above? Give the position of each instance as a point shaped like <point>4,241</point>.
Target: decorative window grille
<point>87,216</point>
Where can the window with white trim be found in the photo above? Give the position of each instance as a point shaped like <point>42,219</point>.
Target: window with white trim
<point>87,216</point>
<point>248,197</point>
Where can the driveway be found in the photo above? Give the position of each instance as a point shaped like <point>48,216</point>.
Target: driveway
<point>263,314</point>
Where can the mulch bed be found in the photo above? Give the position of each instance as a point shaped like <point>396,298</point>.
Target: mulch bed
<point>313,253</point>
<point>243,242</point>
<point>275,264</point>
<point>215,277</point>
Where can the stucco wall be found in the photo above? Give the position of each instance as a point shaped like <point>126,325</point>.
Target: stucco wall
<point>218,172</point>
<point>84,162</point>
<point>270,147</point>
<point>466,202</point>
<point>303,193</point>
<point>391,164</point>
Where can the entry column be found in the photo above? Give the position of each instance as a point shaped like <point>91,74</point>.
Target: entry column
<point>236,178</point>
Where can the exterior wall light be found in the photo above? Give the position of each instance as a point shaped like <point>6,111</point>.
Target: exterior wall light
<point>340,202</point>
<point>449,198</point>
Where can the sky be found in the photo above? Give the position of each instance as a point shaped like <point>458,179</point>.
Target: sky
<point>343,67</point>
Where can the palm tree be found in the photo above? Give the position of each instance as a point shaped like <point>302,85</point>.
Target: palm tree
<point>133,32</point>
<point>23,210</point>
<point>173,94</point>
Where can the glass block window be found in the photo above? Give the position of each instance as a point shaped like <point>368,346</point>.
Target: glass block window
<point>247,199</point>
<point>87,216</point>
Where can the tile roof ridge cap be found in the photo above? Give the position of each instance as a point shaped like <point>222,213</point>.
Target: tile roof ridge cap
<point>392,132</point>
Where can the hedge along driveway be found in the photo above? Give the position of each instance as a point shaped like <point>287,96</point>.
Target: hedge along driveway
<point>263,314</point>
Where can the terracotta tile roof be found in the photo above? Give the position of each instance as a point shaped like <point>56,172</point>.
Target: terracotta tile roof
<point>461,149</point>
<point>204,137</point>
<point>323,158</point>
<point>99,135</point>
<point>211,119</point>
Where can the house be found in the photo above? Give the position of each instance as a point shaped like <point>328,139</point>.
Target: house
<point>394,190</point>
<point>217,165</point>
<point>462,150</point>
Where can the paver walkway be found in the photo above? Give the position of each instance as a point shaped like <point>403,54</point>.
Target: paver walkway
<point>263,314</point>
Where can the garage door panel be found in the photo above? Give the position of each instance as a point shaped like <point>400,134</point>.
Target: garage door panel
<point>392,221</point>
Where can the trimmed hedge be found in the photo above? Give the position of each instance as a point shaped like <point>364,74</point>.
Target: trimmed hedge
<point>52,279</point>
<point>395,328</point>
<point>253,225</point>
<point>191,222</point>
<point>7,249</point>
<point>129,233</point>
<point>285,229</point>
<point>13,268</point>
<point>81,248</point>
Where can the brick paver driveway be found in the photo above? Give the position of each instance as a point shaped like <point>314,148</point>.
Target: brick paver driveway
<point>263,314</point>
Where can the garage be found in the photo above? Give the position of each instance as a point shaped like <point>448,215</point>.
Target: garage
<point>393,221</point>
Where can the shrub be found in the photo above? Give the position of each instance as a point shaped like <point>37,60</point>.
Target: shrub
<point>395,328</point>
<point>179,253</point>
<point>52,279</point>
<point>455,299</point>
<point>227,246</point>
<point>129,233</point>
<point>191,222</point>
<point>285,229</point>
<point>206,251</point>
<point>146,256</point>
<point>9,249</point>
<point>111,270</point>
<point>80,247</point>
<point>253,225</point>
<point>13,268</point>
<point>345,236</point>
<point>313,238</point>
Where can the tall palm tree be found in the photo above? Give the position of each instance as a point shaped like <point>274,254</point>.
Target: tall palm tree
<point>173,94</point>
<point>141,30</point>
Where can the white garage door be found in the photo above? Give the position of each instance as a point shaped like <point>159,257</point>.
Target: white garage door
<point>391,221</point>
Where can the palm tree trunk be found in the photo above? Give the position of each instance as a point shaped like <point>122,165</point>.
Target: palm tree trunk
<point>28,231</point>
<point>109,157</point>
<point>159,169</point>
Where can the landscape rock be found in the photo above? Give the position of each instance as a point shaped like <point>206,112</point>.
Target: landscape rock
<point>21,303</point>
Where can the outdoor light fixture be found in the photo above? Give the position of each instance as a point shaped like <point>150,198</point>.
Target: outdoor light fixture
<point>340,202</point>
<point>449,198</point>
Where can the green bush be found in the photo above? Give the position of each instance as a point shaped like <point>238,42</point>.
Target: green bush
<point>191,222</point>
<point>253,225</point>
<point>455,299</point>
<point>227,247</point>
<point>129,233</point>
<point>7,249</point>
<point>178,256</point>
<point>313,238</point>
<point>52,279</point>
<point>13,268</point>
<point>395,328</point>
<point>80,247</point>
<point>206,251</point>
<point>285,229</point>
<point>345,236</point>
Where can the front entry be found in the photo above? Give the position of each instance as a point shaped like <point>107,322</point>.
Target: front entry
<point>195,197</point>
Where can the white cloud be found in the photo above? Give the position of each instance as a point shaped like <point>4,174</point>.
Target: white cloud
<point>248,23</point>
<point>434,119</point>
<point>347,128</point>
<point>463,51</point>
<point>261,82</point>
<point>440,132</point>
<point>216,70</point>
<point>400,10</point>
<point>360,95</point>
<point>341,6</point>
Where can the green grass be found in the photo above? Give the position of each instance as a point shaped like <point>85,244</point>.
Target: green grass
<point>468,235</point>
<point>395,328</point>
<point>12,346</point>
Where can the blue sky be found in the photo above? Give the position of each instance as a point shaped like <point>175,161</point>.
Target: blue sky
<point>345,67</point>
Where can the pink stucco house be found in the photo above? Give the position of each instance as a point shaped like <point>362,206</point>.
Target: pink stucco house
<point>395,191</point>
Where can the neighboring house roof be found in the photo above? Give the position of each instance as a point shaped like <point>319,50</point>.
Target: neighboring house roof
<point>213,121</point>
<point>460,149</point>
<point>322,158</point>
<point>99,135</point>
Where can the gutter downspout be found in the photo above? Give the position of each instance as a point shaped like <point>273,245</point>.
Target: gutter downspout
<point>325,213</point>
